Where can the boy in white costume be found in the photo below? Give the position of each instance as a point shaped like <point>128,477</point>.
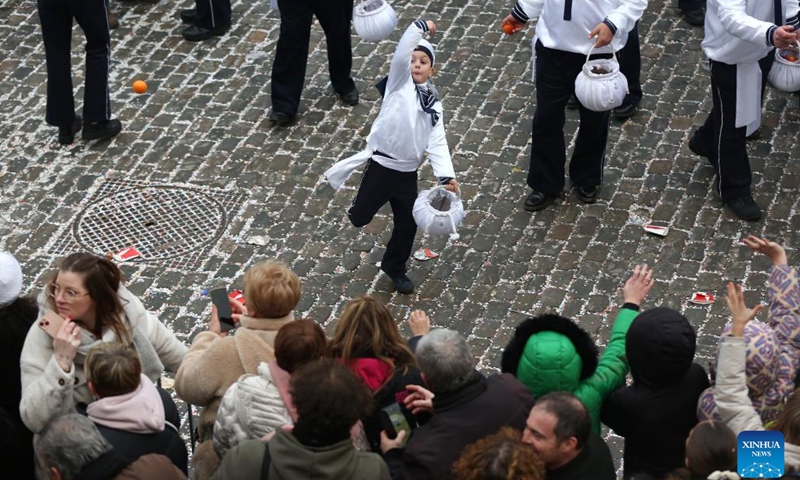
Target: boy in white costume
<point>566,32</point>
<point>409,125</point>
<point>739,40</point>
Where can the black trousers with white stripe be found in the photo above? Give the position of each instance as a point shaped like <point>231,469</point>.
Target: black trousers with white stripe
<point>212,13</point>
<point>291,53</point>
<point>379,185</point>
<point>719,136</point>
<point>56,19</point>
<point>556,71</point>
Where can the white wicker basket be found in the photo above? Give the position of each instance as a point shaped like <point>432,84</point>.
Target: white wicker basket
<point>374,20</point>
<point>601,86</point>
<point>438,211</point>
<point>785,74</point>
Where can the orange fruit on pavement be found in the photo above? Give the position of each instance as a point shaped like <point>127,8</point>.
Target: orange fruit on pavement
<point>139,86</point>
<point>508,28</point>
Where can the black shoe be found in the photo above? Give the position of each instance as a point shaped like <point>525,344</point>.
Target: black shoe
<point>280,118</point>
<point>350,98</point>
<point>538,201</point>
<point>188,15</point>
<point>698,148</point>
<point>587,194</point>
<point>194,33</point>
<point>101,130</point>
<point>695,16</point>
<point>403,284</point>
<point>626,110</point>
<point>66,135</point>
<point>745,208</point>
<point>573,103</point>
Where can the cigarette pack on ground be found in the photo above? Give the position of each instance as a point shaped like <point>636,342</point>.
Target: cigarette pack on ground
<point>238,296</point>
<point>702,298</point>
<point>424,254</point>
<point>127,254</point>
<point>656,230</point>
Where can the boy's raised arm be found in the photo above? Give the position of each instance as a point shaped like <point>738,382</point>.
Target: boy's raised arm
<point>400,68</point>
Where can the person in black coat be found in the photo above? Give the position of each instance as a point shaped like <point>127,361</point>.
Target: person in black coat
<point>17,314</point>
<point>656,413</point>
<point>128,412</point>
<point>466,407</point>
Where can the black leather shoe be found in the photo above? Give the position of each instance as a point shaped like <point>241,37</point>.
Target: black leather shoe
<point>66,135</point>
<point>573,103</point>
<point>188,15</point>
<point>695,17</point>
<point>696,147</point>
<point>403,284</point>
<point>280,118</point>
<point>101,130</point>
<point>587,194</point>
<point>194,33</point>
<point>350,98</point>
<point>538,201</point>
<point>626,110</point>
<point>745,208</point>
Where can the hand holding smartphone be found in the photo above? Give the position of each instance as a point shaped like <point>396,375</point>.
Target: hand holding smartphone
<point>393,422</point>
<point>51,322</point>
<point>219,296</point>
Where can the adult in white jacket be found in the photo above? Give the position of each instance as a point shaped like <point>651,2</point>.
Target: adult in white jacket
<point>88,292</point>
<point>739,39</point>
<point>567,31</point>
<point>733,403</point>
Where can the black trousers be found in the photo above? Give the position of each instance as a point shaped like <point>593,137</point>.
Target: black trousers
<point>378,186</point>
<point>555,83</point>
<point>212,13</point>
<point>719,136</point>
<point>291,53</point>
<point>56,19</point>
<point>630,64</point>
<point>690,4</point>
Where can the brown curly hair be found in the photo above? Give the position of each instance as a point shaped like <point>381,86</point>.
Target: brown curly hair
<point>501,456</point>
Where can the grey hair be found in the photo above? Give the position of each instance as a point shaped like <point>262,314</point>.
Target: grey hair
<point>69,443</point>
<point>443,356</point>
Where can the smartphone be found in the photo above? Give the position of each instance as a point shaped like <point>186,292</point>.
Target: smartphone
<point>393,421</point>
<point>220,298</point>
<point>51,322</point>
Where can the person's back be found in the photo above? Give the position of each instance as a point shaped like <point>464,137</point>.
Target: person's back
<point>329,400</point>
<point>131,412</point>
<point>71,448</point>
<point>467,407</point>
<point>656,413</point>
<point>17,314</point>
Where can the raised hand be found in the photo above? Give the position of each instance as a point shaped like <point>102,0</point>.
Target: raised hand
<point>740,314</point>
<point>419,400</point>
<point>638,286</point>
<point>771,249</point>
<point>419,323</point>
<point>431,27</point>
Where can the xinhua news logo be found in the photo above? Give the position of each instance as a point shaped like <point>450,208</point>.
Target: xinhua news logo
<point>760,454</point>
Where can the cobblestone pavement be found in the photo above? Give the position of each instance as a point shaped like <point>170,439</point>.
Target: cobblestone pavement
<point>203,124</point>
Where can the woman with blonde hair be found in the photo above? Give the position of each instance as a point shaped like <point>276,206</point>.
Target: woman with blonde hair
<point>367,340</point>
<point>502,456</point>
<point>93,306</point>
<point>216,360</point>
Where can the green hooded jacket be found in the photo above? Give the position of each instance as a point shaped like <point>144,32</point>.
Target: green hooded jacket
<point>551,353</point>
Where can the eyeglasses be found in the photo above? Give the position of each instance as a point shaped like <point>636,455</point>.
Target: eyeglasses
<point>69,296</point>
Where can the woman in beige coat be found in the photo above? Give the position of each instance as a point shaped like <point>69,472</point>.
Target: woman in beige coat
<point>216,361</point>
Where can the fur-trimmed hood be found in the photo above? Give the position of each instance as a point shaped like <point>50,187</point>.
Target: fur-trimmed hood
<point>550,353</point>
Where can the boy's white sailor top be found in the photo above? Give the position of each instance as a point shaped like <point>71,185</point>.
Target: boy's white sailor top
<point>740,32</point>
<point>565,24</point>
<point>403,132</point>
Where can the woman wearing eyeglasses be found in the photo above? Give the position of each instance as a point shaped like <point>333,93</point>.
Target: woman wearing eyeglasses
<point>88,293</point>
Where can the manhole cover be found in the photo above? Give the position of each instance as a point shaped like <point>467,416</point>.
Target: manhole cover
<point>175,226</point>
<point>161,222</point>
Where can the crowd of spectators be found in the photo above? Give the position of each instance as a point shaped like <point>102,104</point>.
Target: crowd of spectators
<point>281,400</point>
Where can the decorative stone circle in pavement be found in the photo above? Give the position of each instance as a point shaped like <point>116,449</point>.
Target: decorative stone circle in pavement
<point>173,226</point>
